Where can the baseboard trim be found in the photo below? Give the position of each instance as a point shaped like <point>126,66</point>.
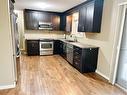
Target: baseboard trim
<point>120,87</point>
<point>102,75</point>
<point>9,86</point>
<point>23,52</point>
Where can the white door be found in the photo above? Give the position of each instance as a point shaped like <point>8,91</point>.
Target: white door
<point>121,78</point>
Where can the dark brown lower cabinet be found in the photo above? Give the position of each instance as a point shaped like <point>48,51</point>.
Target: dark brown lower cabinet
<point>85,59</point>
<point>56,47</point>
<point>32,47</point>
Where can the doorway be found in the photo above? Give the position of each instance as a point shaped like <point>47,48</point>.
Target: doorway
<point>121,77</point>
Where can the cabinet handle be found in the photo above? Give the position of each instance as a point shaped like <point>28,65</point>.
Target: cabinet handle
<point>76,63</point>
<point>32,45</point>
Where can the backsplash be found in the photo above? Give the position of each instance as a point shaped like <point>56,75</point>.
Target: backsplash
<point>37,34</point>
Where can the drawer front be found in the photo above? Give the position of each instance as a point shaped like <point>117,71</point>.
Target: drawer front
<point>77,50</point>
<point>77,55</point>
<point>77,64</point>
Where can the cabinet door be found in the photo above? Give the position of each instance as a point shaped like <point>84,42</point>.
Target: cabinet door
<point>98,11</point>
<point>56,22</point>
<point>69,23</point>
<point>34,20</point>
<point>62,22</point>
<point>82,19</point>
<point>32,47</point>
<point>56,47</point>
<point>27,20</point>
<point>44,17</point>
<point>61,48</point>
<point>89,17</point>
<point>90,58</point>
<point>31,20</point>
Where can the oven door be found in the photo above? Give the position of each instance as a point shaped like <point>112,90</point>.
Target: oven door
<point>46,46</point>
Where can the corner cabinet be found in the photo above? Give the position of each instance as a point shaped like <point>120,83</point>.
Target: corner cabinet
<point>90,16</point>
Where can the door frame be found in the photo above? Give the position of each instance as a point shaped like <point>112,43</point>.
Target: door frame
<point>119,26</point>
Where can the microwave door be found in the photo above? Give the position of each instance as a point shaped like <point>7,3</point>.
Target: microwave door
<point>45,26</point>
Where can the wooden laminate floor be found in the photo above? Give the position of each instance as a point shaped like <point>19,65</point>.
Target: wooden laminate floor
<point>52,75</point>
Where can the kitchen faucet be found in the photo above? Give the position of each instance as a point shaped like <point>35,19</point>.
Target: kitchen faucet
<point>65,36</point>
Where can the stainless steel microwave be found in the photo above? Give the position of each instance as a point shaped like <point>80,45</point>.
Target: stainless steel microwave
<point>45,26</point>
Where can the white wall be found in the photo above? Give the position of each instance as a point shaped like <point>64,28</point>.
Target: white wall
<point>6,54</point>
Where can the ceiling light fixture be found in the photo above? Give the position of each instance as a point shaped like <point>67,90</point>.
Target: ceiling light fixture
<point>41,5</point>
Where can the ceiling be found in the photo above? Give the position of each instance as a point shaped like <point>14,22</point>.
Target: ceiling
<point>47,5</point>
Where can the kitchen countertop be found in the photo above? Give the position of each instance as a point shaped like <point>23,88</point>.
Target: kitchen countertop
<point>78,44</point>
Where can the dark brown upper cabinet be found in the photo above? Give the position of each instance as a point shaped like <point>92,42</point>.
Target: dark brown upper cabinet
<point>33,17</point>
<point>82,19</point>
<point>45,17</point>
<point>90,16</point>
<point>31,20</point>
<point>56,22</point>
<point>69,23</point>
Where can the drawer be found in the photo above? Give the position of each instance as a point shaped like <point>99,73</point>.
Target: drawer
<point>77,50</point>
<point>77,60</point>
<point>77,64</point>
<point>77,53</point>
<point>77,57</point>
